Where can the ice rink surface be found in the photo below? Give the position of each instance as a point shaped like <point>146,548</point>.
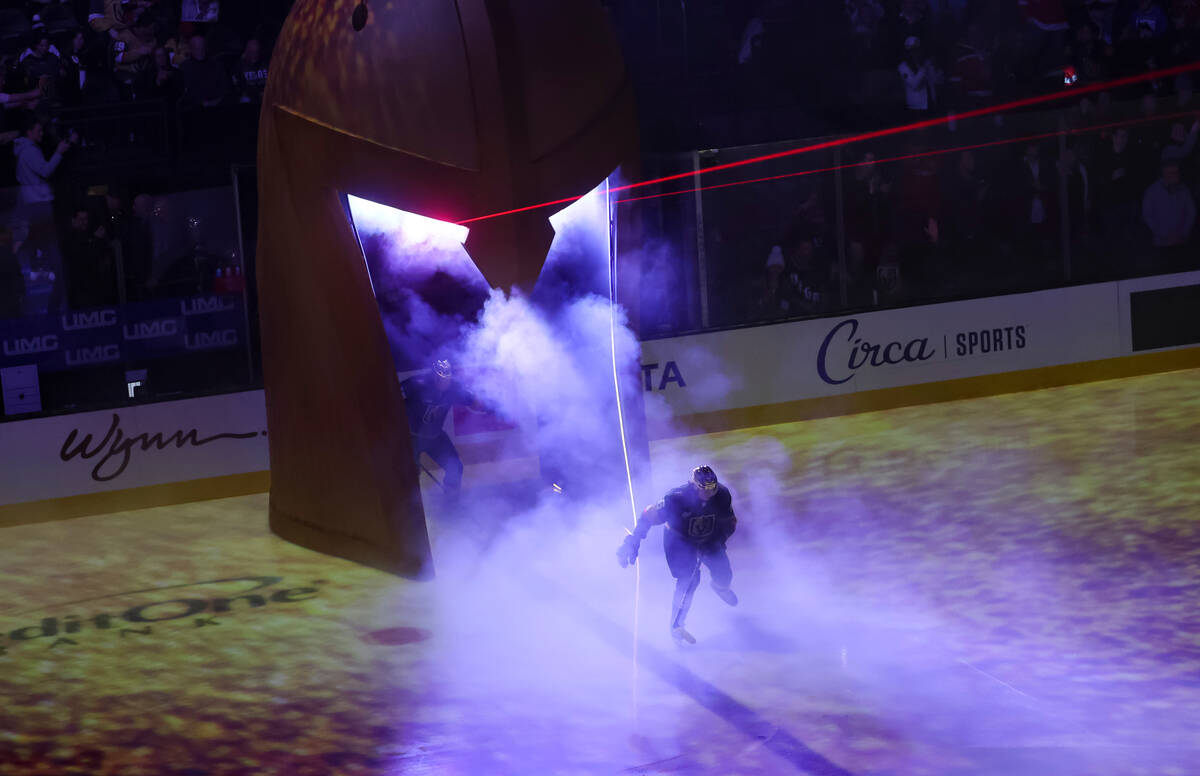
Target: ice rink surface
<point>1008,585</point>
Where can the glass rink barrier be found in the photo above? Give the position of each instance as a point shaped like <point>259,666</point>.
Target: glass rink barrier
<point>1087,190</point>
<point>105,303</point>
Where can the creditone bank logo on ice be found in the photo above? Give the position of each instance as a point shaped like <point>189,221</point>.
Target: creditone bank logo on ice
<point>837,364</point>
<point>188,604</point>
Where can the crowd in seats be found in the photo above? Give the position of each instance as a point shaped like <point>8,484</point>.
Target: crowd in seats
<point>78,52</point>
<point>713,74</point>
<point>1086,187</point>
<point>114,247</point>
<point>943,215</point>
<point>66,242</point>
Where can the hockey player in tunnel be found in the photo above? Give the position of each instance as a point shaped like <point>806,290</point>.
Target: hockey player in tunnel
<point>698,519</point>
<point>429,397</point>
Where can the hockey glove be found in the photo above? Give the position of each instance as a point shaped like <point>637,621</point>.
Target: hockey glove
<point>628,551</point>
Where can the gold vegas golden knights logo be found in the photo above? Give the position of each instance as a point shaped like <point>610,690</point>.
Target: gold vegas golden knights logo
<point>700,526</point>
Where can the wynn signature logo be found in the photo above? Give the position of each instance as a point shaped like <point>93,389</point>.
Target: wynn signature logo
<point>115,449</point>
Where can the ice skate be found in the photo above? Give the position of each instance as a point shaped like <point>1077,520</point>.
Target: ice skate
<point>681,636</point>
<point>726,594</point>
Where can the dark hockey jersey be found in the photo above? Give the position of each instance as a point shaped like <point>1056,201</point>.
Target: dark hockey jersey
<point>699,522</point>
<point>427,406</point>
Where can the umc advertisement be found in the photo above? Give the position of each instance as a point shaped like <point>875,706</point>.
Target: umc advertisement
<point>220,435</point>
<point>135,332</point>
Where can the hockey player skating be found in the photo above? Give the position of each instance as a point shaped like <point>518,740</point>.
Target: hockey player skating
<point>429,398</point>
<point>698,519</point>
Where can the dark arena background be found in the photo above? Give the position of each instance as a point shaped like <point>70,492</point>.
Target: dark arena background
<point>353,353</point>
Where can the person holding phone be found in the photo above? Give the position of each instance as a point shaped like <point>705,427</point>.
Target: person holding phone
<point>33,167</point>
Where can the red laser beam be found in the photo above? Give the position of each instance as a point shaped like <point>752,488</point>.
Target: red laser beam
<point>878,133</point>
<point>906,157</point>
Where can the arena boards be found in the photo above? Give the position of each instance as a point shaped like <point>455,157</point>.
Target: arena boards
<point>211,447</point>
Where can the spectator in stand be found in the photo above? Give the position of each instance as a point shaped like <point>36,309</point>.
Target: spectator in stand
<point>971,71</point>
<point>193,273</point>
<point>891,287</point>
<point>131,48</point>
<point>1183,90</point>
<point>869,205</point>
<point>250,73</point>
<point>773,292</point>
<point>922,262</point>
<point>1033,197</point>
<point>1146,138</point>
<point>1100,13</point>
<point>911,21</point>
<point>96,16</point>
<point>752,38</point>
<point>1118,197</point>
<point>966,195</point>
<point>72,84</point>
<point>1045,34</point>
<point>114,213</point>
<point>919,76</point>
<point>1081,122</point>
<point>1180,144</point>
<point>808,224</point>
<point>33,168</point>
<point>137,249</point>
<point>170,237</point>
<point>12,279</point>
<point>1074,175</point>
<point>27,99</point>
<point>860,282</point>
<point>106,16</point>
<point>796,284</point>
<point>205,82</point>
<point>1184,48</point>
<point>1187,10</point>
<point>865,17</point>
<point>1143,44</point>
<point>1148,106</point>
<point>89,265</point>
<point>159,79</point>
<point>42,63</point>
<point>1149,20</point>
<point>1170,212</point>
<point>918,193</point>
<point>1088,54</point>
<point>1105,110</point>
<point>200,10</point>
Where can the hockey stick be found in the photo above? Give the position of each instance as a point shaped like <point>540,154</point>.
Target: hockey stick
<point>436,481</point>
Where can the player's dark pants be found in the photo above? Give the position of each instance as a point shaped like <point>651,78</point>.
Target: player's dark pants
<point>684,559</point>
<point>442,451</point>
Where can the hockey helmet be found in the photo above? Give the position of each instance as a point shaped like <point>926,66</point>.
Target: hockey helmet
<point>705,479</point>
